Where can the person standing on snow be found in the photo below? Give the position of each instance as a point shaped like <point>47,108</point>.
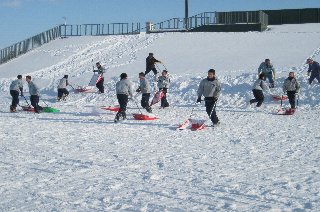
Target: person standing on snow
<point>291,86</point>
<point>145,90</point>
<point>163,84</point>
<point>62,88</point>
<point>123,91</point>
<point>268,70</point>
<point>34,95</point>
<point>150,64</point>
<point>15,87</point>
<point>100,80</point>
<point>210,88</point>
<point>258,87</point>
<point>314,69</point>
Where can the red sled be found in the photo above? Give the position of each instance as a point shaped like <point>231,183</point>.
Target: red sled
<point>114,109</point>
<point>278,97</point>
<point>28,108</point>
<point>139,116</point>
<point>184,125</point>
<point>287,111</point>
<point>157,97</point>
<point>197,124</point>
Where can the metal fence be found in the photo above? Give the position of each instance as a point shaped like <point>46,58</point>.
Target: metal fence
<point>100,29</point>
<point>213,18</point>
<point>26,45</point>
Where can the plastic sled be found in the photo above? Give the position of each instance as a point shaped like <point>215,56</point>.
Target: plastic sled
<point>114,109</point>
<point>286,111</point>
<point>139,116</point>
<point>279,97</point>
<point>157,97</point>
<point>44,109</point>
<point>27,108</point>
<point>83,90</point>
<point>197,124</point>
<point>184,125</point>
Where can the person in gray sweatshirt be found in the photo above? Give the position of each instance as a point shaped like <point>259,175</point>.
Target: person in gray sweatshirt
<point>123,91</point>
<point>145,89</point>
<point>210,88</point>
<point>62,88</point>
<point>268,70</point>
<point>163,84</point>
<point>16,87</point>
<point>34,94</point>
<point>258,87</point>
<point>291,86</point>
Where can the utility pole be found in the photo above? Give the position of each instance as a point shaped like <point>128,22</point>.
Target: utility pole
<point>186,15</point>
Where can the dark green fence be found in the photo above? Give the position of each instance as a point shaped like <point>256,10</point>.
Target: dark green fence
<point>293,16</point>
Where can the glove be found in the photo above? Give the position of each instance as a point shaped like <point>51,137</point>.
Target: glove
<point>138,90</point>
<point>199,100</point>
<point>308,73</point>
<point>21,94</point>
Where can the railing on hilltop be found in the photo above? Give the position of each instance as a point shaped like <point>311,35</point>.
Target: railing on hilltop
<point>100,29</point>
<point>212,18</point>
<point>26,45</point>
<point>22,47</point>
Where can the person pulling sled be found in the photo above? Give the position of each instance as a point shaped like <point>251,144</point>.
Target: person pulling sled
<point>62,88</point>
<point>145,89</point>
<point>291,86</point>
<point>101,70</point>
<point>123,91</point>
<point>163,84</point>
<point>210,88</point>
<point>34,95</point>
<point>16,87</point>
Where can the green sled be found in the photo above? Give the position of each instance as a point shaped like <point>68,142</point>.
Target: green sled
<point>50,110</point>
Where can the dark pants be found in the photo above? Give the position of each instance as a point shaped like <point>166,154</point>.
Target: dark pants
<point>211,110</point>
<point>62,91</point>
<point>145,101</point>
<point>258,97</point>
<point>100,86</point>
<point>123,101</point>
<point>151,69</point>
<point>270,78</point>
<point>164,102</point>
<point>292,98</point>
<point>15,98</point>
<point>35,103</point>
<point>314,76</point>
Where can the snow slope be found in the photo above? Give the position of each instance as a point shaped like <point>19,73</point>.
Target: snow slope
<point>80,160</point>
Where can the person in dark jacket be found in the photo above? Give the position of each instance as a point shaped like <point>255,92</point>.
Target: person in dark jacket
<point>101,70</point>
<point>258,87</point>
<point>62,88</point>
<point>292,87</point>
<point>163,84</point>
<point>150,64</point>
<point>210,88</point>
<point>145,89</point>
<point>34,95</point>
<point>16,87</point>
<point>314,69</point>
<point>123,91</point>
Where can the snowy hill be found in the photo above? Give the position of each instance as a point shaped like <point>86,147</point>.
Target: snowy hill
<point>80,160</point>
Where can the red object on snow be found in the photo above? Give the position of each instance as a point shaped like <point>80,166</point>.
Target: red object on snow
<point>28,108</point>
<point>157,97</point>
<point>184,125</point>
<point>279,97</point>
<point>197,124</point>
<point>140,116</point>
<point>287,111</point>
<point>114,109</point>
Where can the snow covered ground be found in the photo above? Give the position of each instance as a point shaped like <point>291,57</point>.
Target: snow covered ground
<point>80,160</point>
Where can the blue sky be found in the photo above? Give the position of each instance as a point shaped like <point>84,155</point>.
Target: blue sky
<point>21,19</point>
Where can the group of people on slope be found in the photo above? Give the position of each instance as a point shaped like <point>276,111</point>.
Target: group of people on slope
<point>290,87</point>
<point>124,89</point>
<point>209,87</point>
